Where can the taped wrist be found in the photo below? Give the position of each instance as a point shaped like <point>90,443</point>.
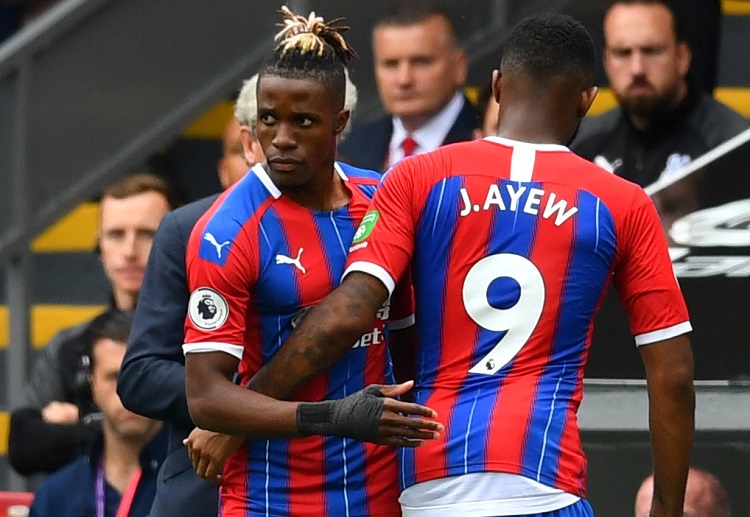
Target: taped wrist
<point>356,416</point>
<point>315,418</point>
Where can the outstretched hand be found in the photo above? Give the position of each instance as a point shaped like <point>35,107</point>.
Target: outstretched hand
<point>397,427</point>
<point>209,451</point>
<point>371,415</point>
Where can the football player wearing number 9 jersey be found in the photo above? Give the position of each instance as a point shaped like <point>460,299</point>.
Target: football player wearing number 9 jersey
<point>512,242</point>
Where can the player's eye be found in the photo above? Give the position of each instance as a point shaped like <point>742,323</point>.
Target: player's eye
<point>267,119</point>
<point>304,122</point>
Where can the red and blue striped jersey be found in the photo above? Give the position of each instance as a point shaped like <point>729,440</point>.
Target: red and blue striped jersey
<point>512,247</point>
<point>256,261</point>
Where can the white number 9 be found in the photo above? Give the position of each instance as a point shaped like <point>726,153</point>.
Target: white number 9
<point>519,321</point>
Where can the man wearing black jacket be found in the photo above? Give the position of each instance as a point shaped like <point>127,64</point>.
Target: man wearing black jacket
<point>662,122</point>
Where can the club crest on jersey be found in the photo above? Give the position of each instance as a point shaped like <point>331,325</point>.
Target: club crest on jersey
<point>366,226</point>
<point>207,309</point>
<point>675,162</point>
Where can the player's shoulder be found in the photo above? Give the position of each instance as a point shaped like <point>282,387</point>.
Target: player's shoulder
<point>253,193</point>
<point>466,147</point>
<point>438,160</point>
<point>365,180</point>
<point>240,205</point>
<point>359,175</point>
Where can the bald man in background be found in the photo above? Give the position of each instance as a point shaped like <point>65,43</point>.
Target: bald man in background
<point>704,496</point>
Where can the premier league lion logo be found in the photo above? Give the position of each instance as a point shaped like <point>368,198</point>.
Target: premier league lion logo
<point>208,310</point>
<point>206,307</point>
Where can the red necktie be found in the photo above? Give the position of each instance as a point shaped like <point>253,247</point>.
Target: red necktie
<point>408,145</point>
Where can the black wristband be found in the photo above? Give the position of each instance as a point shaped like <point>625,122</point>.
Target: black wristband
<point>315,418</point>
<point>356,416</point>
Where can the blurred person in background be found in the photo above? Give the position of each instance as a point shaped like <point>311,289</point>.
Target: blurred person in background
<point>662,121</point>
<point>117,473</point>
<point>58,415</point>
<point>419,70</point>
<point>704,496</point>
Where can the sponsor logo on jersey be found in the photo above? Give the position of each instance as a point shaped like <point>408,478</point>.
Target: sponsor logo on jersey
<point>376,337</point>
<point>366,226</point>
<point>296,262</point>
<point>214,247</point>
<point>207,309</point>
<point>209,237</point>
<point>359,246</point>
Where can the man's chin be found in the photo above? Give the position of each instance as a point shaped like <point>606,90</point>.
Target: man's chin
<point>136,429</point>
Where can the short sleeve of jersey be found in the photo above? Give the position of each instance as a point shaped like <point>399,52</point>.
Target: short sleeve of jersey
<point>644,277</point>
<point>220,269</point>
<point>384,242</point>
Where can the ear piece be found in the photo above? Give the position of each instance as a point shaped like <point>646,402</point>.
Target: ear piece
<point>82,375</point>
<point>98,248</point>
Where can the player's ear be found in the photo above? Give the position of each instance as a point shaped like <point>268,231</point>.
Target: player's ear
<point>496,76</point>
<point>587,99</point>
<point>341,119</point>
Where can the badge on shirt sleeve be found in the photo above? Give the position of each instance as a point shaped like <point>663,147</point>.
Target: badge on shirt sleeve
<point>366,226</point>
<point>207,309</point>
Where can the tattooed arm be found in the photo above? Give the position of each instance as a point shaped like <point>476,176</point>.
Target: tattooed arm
<point>323,337</point>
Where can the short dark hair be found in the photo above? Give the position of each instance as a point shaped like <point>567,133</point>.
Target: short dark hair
<point>139,183</point>
<point>113,324</point>
<point>411,12</point>
<point>673,6</point>
<point>310,50</point>
<point>548,45</point>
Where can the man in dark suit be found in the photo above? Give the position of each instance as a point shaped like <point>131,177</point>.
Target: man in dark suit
<point>152,378</point>
<point>419,70</point>
<point>154,364</point>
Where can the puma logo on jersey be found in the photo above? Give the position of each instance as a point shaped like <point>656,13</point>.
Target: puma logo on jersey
<point>211,239</point>
<point>605,164</point>
<point>296,262</point>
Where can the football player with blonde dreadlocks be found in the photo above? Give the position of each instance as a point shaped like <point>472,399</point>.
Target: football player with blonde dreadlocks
<point>267,250</point>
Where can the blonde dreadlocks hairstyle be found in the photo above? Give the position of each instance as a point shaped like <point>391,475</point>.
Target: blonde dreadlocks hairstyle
<point>310,48</point>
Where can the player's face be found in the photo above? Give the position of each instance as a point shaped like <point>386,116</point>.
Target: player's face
<point>645,64</point>
<point>298,122</point>
<point>126,231</point>
<point>108,356</point>
<point>417,68</point>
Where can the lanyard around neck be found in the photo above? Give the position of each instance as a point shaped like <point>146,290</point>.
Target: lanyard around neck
<point>127,498</point>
